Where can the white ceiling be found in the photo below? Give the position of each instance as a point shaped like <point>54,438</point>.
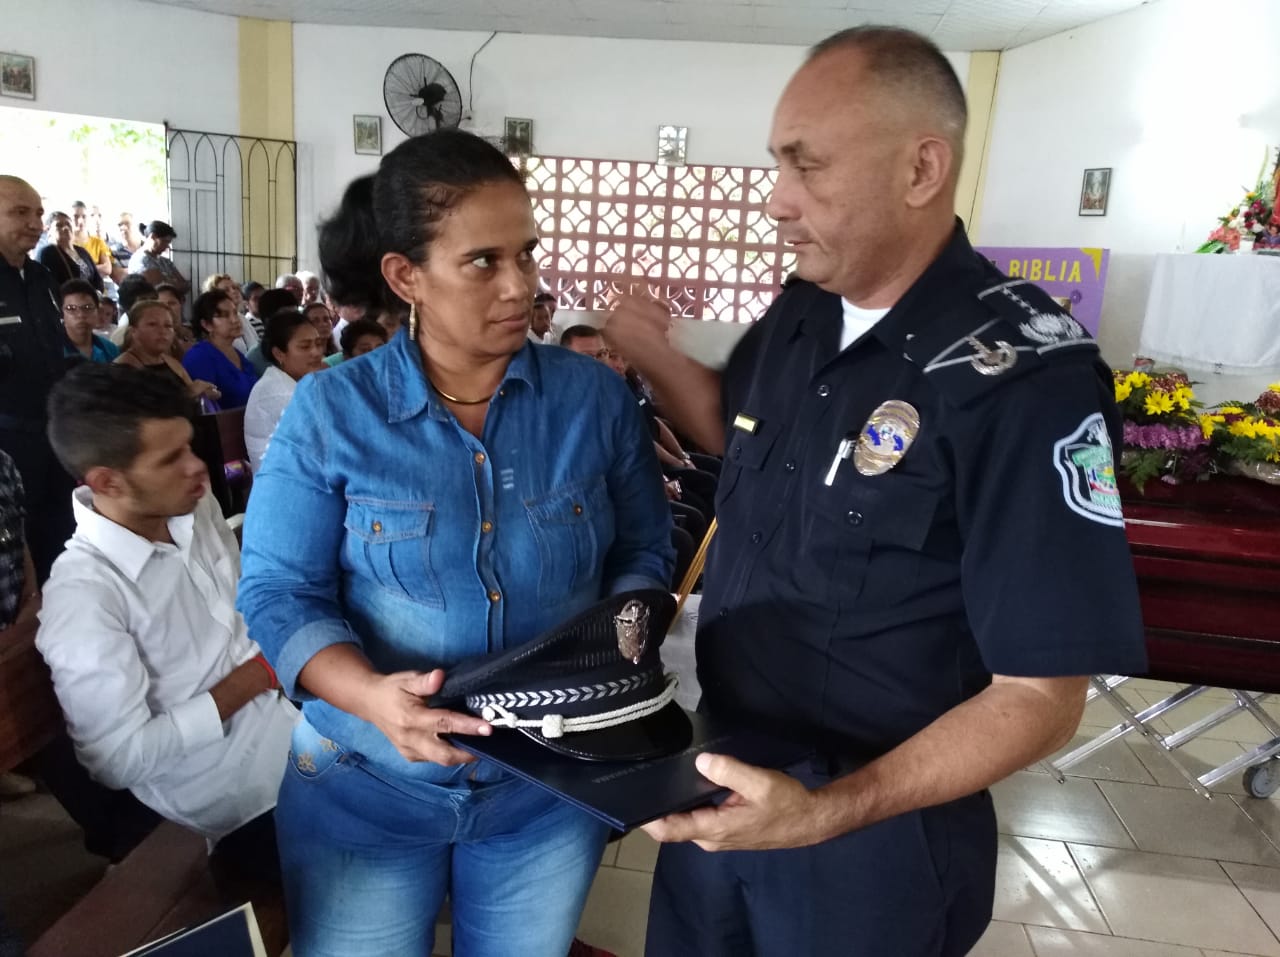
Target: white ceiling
<point>954,25</point>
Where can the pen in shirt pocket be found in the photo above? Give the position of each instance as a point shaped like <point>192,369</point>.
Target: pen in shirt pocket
<point>843,451</point>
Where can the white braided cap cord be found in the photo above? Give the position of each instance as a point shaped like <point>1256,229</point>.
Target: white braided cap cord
<point>557,725</point>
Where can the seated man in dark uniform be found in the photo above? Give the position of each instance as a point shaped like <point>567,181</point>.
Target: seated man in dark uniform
<point>921,554</point>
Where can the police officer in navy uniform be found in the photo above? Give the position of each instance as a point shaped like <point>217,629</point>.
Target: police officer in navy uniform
<point>921,554</point>
<point>31,361</point>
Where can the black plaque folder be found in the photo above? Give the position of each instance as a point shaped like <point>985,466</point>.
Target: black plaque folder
<point>233,934</point>
<point>626,794</point>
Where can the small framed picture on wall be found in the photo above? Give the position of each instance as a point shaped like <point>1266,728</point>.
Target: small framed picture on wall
<point>368,134</point>
<point>673,145</point>
<point>18,75</point>
<point>517,136</point>
<point>1095,191</point>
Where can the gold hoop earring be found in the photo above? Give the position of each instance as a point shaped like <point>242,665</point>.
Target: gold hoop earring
<point>413,320</point>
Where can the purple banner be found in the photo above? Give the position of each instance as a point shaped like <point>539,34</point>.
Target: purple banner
<point>1074,277</point>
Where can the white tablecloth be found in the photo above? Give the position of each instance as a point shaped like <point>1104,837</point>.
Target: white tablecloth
<point>1214,312</point>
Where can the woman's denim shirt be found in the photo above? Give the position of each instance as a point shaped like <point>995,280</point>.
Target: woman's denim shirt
<point>378,520</point>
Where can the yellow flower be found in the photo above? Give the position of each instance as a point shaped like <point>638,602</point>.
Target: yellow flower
<point>1274,387</point>
<point>1182,397</point>
<point>1123,391</point>
<point>1137,380</point>
<point>1245,427</point>
<point>1231,410</point>
<point>1207,423</point>
<point>1158,403</point>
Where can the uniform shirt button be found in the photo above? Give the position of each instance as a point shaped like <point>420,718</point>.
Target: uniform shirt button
<point>724,612</point>
<point>737,452</point>
<point>853,518</point>
<point>756,538</point>
<point>824,390</point>
<point>789,465</point>
<point>486,527</point>
<point>494,596</point>
<point>479,458</point>
<point>577,509</point>
<point>377,528</point>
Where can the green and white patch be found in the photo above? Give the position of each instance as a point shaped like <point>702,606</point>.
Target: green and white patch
<point>1086,463</point>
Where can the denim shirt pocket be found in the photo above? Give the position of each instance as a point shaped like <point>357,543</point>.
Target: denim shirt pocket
<point>573,526</point>
<point>392,540</point>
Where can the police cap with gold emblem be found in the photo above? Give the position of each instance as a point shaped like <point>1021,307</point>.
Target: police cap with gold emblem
<point>592,688</point>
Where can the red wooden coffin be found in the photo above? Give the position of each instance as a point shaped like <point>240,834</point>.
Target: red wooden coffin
<point>1207,557</point>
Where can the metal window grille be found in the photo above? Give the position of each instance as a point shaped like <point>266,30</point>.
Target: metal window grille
<point>696,235</point>
<point>234,205</point>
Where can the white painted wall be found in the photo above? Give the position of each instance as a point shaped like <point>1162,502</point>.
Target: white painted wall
<point>1167,97</point>
<point>129,60</point>
<point>589,97</point>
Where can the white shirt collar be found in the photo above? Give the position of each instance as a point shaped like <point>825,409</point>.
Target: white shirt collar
<point>127,550</point>
<point>857,322</point>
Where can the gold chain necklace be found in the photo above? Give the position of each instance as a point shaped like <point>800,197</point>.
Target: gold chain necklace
<point>456,401</point>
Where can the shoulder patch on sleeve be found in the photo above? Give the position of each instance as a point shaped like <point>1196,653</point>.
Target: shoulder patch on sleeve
<point>1085,461</point>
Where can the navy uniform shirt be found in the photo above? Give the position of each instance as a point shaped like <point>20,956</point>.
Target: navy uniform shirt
<point>857,613</point>
<point>31,341</point>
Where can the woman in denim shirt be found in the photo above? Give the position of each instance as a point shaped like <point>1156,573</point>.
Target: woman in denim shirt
<point>452,494</point>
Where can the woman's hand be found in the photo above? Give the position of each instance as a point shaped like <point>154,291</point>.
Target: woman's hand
<point>201,388</point>
<point>397,706</point>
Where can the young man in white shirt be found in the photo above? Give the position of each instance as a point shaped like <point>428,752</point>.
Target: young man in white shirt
<point>163,690</point>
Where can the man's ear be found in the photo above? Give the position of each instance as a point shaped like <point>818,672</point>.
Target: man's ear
<point>399,273</point>
<point>931,170</point>
<point>104,481</point>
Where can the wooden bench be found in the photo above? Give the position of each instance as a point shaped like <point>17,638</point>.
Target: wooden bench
<point>219,441</point>
<point>30,716</point>
<point>162,886</point>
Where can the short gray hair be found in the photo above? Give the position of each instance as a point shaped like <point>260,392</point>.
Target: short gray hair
<point>908,63</point>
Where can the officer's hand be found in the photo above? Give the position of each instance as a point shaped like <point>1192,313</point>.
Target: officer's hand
<point>397,706</point>
<point>637,328</point>
<point>765,811</point>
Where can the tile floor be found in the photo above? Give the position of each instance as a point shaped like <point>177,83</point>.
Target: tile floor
<point>1121,861</point>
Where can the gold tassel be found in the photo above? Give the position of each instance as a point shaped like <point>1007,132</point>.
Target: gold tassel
<point>695,567</point>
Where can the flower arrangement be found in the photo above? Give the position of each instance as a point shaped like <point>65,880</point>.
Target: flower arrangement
<point>1255,219</point>
<point>1163,437</point>
<point>1246,435</point>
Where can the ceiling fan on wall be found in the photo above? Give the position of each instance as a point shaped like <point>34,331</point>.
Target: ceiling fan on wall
<point>421,95</point>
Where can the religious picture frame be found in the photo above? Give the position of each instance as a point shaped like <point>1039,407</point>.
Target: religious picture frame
<point>18,75</point>
<point>367,134</point>
<point>517,136</point>
<point>673,142</point>
<point>1095,191</point>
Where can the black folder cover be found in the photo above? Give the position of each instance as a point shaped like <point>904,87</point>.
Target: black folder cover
<point>627,794</point>
<point>233,934</point>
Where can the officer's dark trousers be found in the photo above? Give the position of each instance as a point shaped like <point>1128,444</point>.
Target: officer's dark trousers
<point>918,885</point>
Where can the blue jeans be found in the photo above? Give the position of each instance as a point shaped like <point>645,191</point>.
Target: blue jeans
<point>367,860</point>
